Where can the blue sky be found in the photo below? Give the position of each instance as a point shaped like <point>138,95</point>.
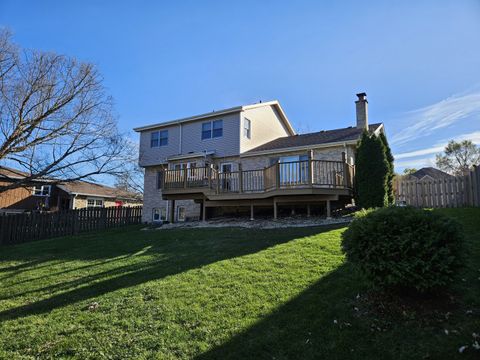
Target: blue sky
<point>418,61</point>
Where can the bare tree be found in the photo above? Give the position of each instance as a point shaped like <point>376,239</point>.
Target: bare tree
<point>130,176</point>
<point>56,120</point>
<point>459,157</point>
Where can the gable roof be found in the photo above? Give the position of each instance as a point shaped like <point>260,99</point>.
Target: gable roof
<point>432,172</point>
<point>73,187</point>
<point>235,109</point>
<point>10,173</point>
<point>93,189</point>
<point>345,135</point>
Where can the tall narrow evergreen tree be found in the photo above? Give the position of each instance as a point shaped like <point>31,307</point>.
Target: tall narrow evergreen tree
<point>371,175</point>
<point>391,169</point>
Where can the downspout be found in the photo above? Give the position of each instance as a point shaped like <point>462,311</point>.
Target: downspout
<point>180,142</point>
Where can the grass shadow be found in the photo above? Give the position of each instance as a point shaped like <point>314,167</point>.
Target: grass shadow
<point>165,253</point>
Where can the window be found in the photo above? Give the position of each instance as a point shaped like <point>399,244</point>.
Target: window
<point>154,139</point>
<point>217,128</point>
<point>181,213</point>
<point>159,138</point>
<point>164,138</point>
<point>212,129</point>
<point>41,190</point>
<point>206,130</point>
<point>92,203</point>
<point>159,214</point>
<point>247,128</point>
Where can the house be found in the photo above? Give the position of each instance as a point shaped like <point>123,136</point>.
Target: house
<point>48,194</point>
<point>429,173</point>
<point>246,158</point>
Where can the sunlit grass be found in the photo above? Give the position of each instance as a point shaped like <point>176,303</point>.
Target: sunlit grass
<point>208,293</point>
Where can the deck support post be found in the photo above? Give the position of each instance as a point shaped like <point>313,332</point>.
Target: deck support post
<point>329,214</point>
<point>308,210</point>
<point>204,210</point>
<point>251,212</point>
<point>172,212</point>
<point>275,209</point>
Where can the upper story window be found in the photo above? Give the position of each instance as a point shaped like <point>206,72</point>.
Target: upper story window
<point>159,138</point>
<point>212,129</point>
<point>247,129</point>
<point>41,190</point>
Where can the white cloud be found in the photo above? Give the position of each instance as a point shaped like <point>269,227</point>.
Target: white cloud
<point>424,121</point>
<point>415,163</point>
<point>418,158</point>
<point>440,145</point>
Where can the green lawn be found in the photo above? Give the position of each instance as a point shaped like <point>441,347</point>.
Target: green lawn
<point>218,294</point>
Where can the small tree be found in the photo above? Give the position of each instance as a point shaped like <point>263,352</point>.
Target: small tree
<point>409,171</point>
<point>372,173</point>
<point>391,168</point>
<point>459,157</point>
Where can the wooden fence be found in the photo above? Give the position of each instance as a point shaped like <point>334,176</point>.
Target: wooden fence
<point>458,191</point>
<point>19,228</point>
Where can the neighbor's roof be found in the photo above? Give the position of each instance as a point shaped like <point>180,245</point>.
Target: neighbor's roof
<point>93,189</point>
<point>326,137</point>
<point>6,172</point>
<point>273,103</point>
<point>432,172</point>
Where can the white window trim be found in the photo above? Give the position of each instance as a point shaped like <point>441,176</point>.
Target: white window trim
<point>211,130</point>
<point>247,135</point>
<point>160,214</point>
<point>226,163</point>
<point>95,199</point>
<point>42,187</point>
<point>178,213</point>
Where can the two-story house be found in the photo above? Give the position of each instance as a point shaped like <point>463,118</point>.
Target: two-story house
<point>246,158</point>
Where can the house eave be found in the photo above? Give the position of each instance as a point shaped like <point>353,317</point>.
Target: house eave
<point>220,113</point>
<point>299,148</point>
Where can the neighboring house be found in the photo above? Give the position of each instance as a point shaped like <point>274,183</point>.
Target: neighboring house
<point>246,157</point>
<point>429,173</point>
<point>49,195</point>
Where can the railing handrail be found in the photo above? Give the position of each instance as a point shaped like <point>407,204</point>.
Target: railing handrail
<point>332,173</point>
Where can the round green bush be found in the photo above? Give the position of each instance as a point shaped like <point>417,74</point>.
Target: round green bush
<point>404,248</point>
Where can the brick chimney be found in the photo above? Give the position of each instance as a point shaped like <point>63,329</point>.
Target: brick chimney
<point>361,106</point>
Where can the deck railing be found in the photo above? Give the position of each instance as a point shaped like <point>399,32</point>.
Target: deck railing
<point>285,175</point>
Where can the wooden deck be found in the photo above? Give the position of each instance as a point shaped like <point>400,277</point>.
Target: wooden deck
<point>307,177</point>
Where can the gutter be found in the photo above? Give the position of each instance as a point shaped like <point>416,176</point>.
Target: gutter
<point>298,148</point>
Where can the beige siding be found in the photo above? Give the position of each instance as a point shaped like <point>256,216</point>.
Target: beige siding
<point>266,125</point>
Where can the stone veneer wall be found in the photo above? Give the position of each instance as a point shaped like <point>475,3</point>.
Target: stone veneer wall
<point>152,198</point>
<point>331,153</point>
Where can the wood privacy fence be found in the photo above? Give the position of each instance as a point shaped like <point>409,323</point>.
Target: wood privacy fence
<point>19,228</point>
<point>458,191</point>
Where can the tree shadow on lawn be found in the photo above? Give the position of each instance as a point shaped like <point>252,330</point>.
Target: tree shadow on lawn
<point>166,253</point>
<point>316,324</point>
<point>321,323</point>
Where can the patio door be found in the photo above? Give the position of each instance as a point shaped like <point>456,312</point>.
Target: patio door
<point>226,170</point>
<point>293,170</point>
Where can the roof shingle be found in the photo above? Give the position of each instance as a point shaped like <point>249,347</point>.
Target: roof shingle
<point>316,138</point>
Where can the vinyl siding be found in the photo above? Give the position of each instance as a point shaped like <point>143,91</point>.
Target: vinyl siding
<point>266,125</point>
<point>227,145</point>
